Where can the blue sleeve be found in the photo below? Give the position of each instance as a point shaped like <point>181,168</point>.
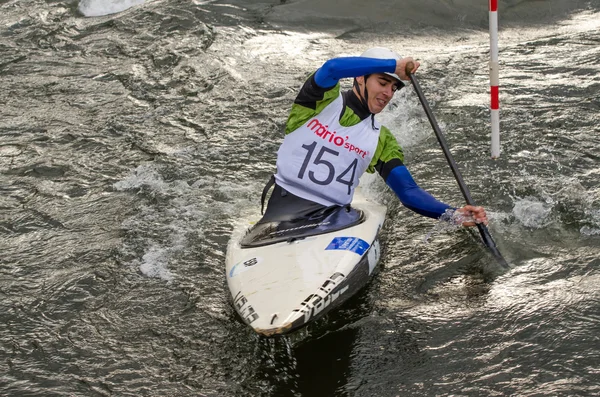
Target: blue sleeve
<point>335,69</point>
<point>412,196</point>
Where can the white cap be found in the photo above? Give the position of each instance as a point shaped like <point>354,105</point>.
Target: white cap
<point>383,53</point>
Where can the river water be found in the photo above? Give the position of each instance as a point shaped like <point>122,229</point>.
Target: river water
<point>135,137</point>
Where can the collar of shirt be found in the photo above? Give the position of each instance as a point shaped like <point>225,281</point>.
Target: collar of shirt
<point>354,103</point>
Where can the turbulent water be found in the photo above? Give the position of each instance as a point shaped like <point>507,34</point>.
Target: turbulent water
<point>136,136</point>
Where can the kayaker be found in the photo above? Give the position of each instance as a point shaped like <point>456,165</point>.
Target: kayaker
<point>332,138</point>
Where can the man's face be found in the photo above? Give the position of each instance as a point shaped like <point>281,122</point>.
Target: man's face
<point>381,88</point>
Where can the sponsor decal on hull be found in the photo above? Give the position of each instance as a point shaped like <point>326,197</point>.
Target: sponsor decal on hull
<point>326,294</point>
<point>245,310</point>
<point>352,244</point>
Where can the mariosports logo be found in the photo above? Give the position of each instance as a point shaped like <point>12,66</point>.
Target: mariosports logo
<point>321,131</point>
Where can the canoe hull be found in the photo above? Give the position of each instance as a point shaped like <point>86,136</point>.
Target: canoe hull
<point>281,287</point>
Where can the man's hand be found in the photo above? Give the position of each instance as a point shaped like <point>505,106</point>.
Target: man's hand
<point>472,215</point>
<point>401,67</point>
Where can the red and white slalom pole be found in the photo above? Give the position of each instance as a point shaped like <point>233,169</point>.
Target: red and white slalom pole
<point>494,79</point>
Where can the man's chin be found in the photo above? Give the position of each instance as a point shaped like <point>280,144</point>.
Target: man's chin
<point>377,109</point>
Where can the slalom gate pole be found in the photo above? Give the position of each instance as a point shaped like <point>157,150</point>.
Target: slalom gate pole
<point>494,79</point>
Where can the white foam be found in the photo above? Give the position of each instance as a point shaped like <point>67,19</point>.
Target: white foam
<point>97,8</point>
<point>594,217</point>
<point>155,262</point>
<point>144,175</point>
<point>532,212</point>
<point>162,229</point>
<point>589,231</point>
<point>406,119</point>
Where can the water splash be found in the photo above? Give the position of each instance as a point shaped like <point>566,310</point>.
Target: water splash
<point>532,212</point>
<point>406,119</point>
<point>97,8</point>
<point>154,264</point>
<point>143,176</point>
<point>450,221</point>
<point>593,217</point>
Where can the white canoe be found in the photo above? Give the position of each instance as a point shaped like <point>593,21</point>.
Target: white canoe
<point>280,287</point>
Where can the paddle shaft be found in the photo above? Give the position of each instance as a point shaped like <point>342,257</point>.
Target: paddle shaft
<point>485,234</point>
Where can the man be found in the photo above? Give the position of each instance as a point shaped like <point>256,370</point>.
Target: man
<point>332,138</point>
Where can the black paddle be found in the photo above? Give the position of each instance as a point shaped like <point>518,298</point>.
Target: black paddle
<point>485,234</point>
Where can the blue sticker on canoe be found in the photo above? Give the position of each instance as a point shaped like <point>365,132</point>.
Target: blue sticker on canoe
<point>353,244</point>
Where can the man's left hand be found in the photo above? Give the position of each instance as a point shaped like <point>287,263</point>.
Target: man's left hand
<point>473,214</point>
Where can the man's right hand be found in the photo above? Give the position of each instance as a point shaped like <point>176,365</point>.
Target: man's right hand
<point>401,67</point>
